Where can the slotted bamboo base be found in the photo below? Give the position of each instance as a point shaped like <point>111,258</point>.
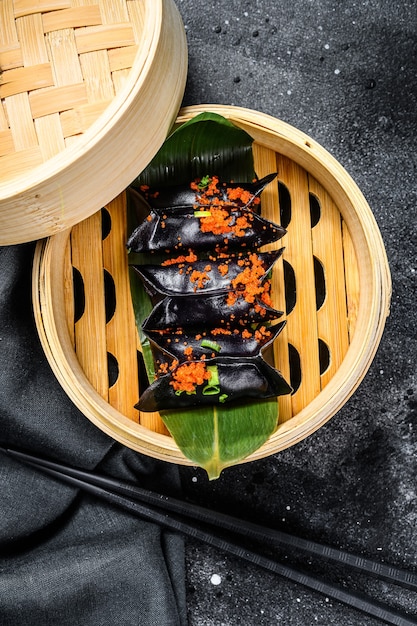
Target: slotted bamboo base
<point>333,252</point>
<point>88,91</point>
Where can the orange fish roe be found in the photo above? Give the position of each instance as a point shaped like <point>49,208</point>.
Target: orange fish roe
<point>238,193</point>
<point>188,351</point>
<point>223,269</point>
<point>189,375</point>
<point>163,369</point>
<point>221,331</point>
<point>242,224</point>
<point>189,258</point>
<point>262,333</point>
<point>207,190</point>
<point>212,187</point>
<point>248,281</point>
<point>221,222</point>
<point>200,278</point>
<point>266,294</point>
<point>218,222</point>
<point>231,298</point>
<point>260,309</point>
<point>246,334</point>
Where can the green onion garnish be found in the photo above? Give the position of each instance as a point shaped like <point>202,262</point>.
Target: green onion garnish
<point>212,345</point>
<point>213,387</point>
<point>204,182</point>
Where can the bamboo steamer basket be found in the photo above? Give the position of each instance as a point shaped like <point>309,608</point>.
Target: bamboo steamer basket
<point>329,340</point>
<point>89,90</point>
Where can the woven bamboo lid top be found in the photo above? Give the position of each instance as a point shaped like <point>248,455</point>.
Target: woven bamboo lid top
<point>62,62</point>
<point>64,65</point>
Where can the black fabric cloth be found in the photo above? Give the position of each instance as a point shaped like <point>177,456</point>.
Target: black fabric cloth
<point>67,558</point>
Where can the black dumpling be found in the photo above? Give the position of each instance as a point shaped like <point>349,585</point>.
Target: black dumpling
<point>173,345</point>
<point>181,196</point>
<point>180,231</point>
<point>178,278</point>
<point>202,311</point>
<point>239,378</point>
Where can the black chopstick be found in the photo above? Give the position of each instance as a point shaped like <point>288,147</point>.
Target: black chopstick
<point>157,508</point>
<point>227,522</point>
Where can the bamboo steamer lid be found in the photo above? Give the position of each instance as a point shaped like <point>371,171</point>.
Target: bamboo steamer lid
<point>89,90</point>
<point>330,340</point>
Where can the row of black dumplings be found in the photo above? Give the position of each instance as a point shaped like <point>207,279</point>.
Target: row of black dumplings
<point>189,325</point>
<point>109,291</point>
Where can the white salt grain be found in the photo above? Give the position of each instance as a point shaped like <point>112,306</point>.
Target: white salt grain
<point>215,579</point>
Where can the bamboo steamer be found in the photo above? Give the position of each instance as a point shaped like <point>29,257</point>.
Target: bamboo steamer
<point>89,90</point>
<point>337,261</point>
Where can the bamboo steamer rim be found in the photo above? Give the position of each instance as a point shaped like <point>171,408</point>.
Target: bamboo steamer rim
<point>45,200</point>
<point>373,309</point>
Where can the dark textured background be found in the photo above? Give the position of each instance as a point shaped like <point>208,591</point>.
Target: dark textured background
<point>346,74</point>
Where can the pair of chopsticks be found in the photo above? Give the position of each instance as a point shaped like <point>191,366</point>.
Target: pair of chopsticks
<point>205,525</point>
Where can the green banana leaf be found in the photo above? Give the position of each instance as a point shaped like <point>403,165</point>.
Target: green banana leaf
<point>142,306</point>
<point>208,144</point>
<point>222,435</point>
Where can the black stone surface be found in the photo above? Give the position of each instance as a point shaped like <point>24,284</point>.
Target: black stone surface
<point>346,74</point>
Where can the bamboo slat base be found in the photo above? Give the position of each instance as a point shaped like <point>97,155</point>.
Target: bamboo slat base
<point>335,314</point>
